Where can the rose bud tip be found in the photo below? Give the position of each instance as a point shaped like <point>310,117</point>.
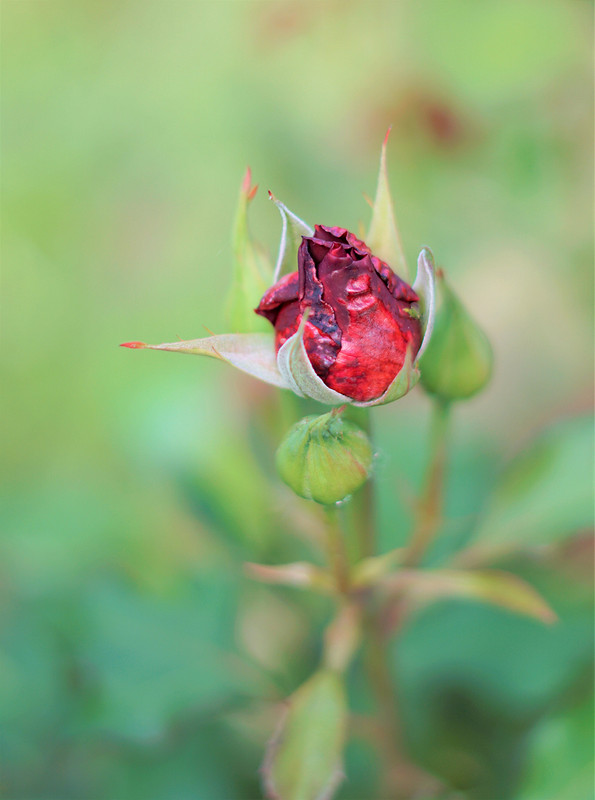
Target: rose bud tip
<point>134,345</point>
<point>386,135</point>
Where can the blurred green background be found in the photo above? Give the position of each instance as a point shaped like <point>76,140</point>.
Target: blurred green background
<point>137,661</point>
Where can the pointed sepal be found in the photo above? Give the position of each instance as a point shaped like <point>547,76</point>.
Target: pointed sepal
<point>251,270</point>
<point>425,288</point>
<point>293,228</point>
<point>383,237</point>
<point>253,353</point>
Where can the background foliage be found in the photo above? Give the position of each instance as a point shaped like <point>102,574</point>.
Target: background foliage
<point>137,661</point>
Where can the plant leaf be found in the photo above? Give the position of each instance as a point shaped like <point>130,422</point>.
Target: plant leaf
<point>544,495</point>
<point>304,758</point>
<point>300,574</point>
<point>488,586</point>
<point>383,235</point>
<point>253,353</point>
<point>291,236</point>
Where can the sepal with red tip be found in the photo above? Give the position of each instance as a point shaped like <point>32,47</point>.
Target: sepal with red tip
<point>251,269</point>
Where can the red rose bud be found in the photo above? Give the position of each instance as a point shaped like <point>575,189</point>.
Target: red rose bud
<point>347,328</point>
<point>362,319</point>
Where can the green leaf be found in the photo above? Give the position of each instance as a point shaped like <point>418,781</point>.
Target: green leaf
<point>566,740</point>
<point>253,353</point>
<point>545,494</point>
<point>304,757</point>
<point>487,586</point>
<point>383,235</point>
<point>291,236</point>
<point>251,270</point>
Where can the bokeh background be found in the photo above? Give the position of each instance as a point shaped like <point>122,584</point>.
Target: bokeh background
<point>137,661</point>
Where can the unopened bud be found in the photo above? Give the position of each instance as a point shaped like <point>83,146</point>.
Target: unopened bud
<point>325,458</point>
<point>458,360</point>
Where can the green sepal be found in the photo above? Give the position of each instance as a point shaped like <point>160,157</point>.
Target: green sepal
<point>252,271</point>
<point>253,353</point>
<point>458,361</point>
<point>383,237</point>
<point>304,758</point>
<point>291,237</point>
<point>425,288</point>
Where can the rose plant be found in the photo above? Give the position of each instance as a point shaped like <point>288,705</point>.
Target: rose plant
<point>346,329</point>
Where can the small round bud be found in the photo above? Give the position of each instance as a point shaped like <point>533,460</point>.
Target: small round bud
<point>458,360</point>
<point>324,458</point>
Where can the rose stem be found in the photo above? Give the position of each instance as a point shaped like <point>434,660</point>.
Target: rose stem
<point>429,514</point>
<point>401,778</point>
<point>363,513</point>
<point>335,547</point>
<point>400,775</point>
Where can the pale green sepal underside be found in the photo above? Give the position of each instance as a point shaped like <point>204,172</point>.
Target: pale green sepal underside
<point>425,287</point>
<point>291,236</point>
<point>298,372</point>
<point>383,235</point>
<point>253,353</point>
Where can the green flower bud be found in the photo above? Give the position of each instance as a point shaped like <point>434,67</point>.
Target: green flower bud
<point>458,360</point>
<point>325,458</point>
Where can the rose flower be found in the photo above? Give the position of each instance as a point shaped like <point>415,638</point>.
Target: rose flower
<point>361,317</point>
<point>347,329</point>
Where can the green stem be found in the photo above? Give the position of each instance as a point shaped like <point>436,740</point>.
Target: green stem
<point>363,504</point>
<point>429,514</point>
<point>335,547</point>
